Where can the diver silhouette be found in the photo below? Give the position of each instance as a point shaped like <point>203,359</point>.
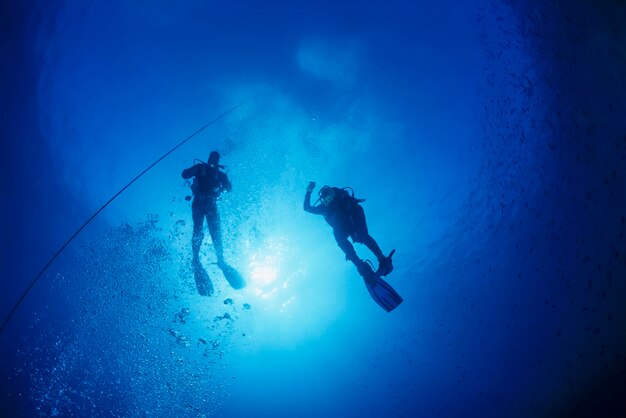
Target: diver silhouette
<point>209,182</point>
<point>343,212</point>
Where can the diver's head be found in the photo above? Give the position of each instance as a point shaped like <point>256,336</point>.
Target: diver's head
<point>214,159</point>
<point>327,195</point>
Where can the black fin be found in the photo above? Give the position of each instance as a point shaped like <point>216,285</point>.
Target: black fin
<point>233,277</point>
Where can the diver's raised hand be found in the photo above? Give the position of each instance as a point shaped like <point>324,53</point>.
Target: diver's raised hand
<point>310,187</point>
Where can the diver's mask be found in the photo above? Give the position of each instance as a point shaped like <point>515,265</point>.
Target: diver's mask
<point>327,195</point>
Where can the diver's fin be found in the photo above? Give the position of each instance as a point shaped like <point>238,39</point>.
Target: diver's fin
<point>232,276</point>
<point>379,290</point>
<point>383,294</point>
<point>203,281</point>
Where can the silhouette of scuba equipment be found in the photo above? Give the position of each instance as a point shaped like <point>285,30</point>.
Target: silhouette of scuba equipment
<point>327,194</point>
<point>194,185</point>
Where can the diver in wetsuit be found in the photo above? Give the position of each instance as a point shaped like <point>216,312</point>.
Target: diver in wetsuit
<point>208,183</point>
<point>345,215</point>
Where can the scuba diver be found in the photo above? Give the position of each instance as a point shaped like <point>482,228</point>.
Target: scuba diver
<point>344,214</point>
<point>209,181</point>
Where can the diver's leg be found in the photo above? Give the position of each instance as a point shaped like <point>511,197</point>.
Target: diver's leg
<point>342,240</point>
<point>214,223</point>
<point>372,245</point>
<point>344,244</point>
<point>362,235</point>
<point>198,219</point>
<point>385,266</point>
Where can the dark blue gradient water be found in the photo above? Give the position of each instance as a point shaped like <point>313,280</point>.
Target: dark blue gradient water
<point>488,141</point>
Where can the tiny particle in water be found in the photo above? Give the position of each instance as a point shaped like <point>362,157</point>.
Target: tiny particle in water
<point>182,315</point>
<point>228,301</point>
<point>225,316</point>
<point>246,306</point>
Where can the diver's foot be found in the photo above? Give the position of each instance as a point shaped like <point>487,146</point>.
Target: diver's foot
<point>366,271</point>
<point>364,268</point>
<point>385,266</point>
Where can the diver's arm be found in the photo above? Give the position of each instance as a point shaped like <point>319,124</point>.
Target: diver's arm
<point>190,172</point>
<point>318,210</point>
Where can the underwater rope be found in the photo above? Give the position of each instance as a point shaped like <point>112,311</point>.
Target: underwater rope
<point>91,218</point>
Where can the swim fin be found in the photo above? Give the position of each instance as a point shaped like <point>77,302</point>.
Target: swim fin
<point>232,276</point>
<point>203,281</point>
<point>383,294</point>
<point>379,290</point>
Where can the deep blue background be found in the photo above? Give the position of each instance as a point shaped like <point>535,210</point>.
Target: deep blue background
<point>489,142</point>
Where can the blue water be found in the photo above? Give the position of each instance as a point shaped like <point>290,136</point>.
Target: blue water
<point>488,141</point>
